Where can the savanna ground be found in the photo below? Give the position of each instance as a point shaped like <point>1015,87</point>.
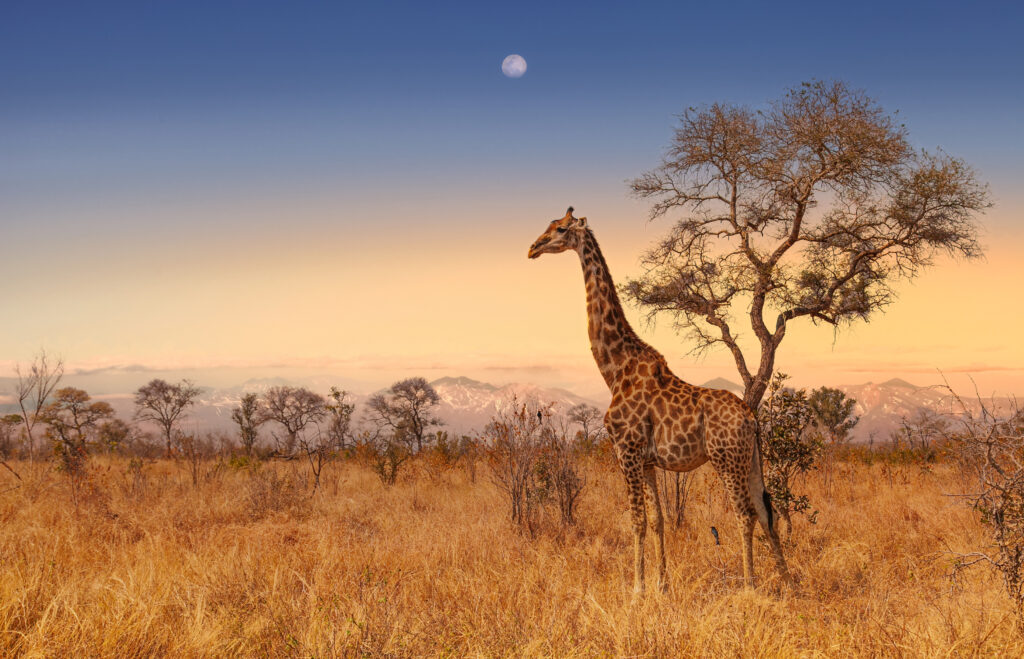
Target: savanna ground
<point>247,563</point>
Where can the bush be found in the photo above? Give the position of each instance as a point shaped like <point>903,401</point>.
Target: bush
<point>269,492</point>
<point>533,464</point>
<point>383,451</point>
<point>788,447</point>
<point>991,448</point>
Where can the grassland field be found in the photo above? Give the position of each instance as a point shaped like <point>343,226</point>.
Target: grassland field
<point>248,563</point>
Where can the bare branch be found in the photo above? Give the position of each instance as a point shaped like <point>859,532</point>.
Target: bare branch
<point>813,207</point>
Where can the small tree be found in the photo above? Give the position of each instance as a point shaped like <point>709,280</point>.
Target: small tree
<point>35,385</point>
<point>8,429</point>
<point>833,415</point>
<point>920,430</point>
<point>591,422</point>
<point>811,208</point>
<point>191,450</point>
<point>319,448</point>
<point>114,435</point>
<point>788,448</point>
<point>386,450</point>
<point>294,408</point>
<point>339,419</point>
<point>72,422</point>
<point>407,406</point>
<point>249,417</point>
<point>833,412</point>
<point>8,434</point>
<point>165,404</point>
<point>300,412</point>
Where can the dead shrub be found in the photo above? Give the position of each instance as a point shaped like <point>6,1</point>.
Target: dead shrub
<point>990,446</point>
<point>269,492</point>
<point>533,464</point>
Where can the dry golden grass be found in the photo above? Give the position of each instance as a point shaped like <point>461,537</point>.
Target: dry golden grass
<point>251,566</point>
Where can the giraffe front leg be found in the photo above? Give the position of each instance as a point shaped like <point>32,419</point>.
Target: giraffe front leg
<point>657,524</point>
<point>635,487</point>
<point>629,445</point>
<point>634,482</point>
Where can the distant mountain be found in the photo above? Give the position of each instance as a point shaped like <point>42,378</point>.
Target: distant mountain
<point>468,404</point>
<point>881,407</point>
<point>722,383</point>
<point>898,382</point>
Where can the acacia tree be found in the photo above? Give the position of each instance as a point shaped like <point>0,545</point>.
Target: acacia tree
<point>591,421</point>
<point>35,385</point>
<point>339,424</point>
<point>813,207</point>
<point>72,422</point>
<point>294,408</point>
<point>832,411</point>
<point>164,404</point>
<point>115,435</point>
<point>407,408</point>
<point>249,417</point>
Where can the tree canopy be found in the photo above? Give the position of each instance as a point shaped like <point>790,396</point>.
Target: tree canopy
<point>164,404</point>
<point>812,207</point>
<point>407,408</point>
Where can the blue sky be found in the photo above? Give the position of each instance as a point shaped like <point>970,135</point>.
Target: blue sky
<point>204,95</point>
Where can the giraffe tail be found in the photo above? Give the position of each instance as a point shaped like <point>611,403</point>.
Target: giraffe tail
<point>758,492</point>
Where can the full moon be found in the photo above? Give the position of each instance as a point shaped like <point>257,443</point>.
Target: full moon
<point>513,66</point>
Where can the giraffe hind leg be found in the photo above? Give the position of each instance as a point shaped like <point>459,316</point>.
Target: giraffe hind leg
<point>763,505</point>
<point>746,516</point>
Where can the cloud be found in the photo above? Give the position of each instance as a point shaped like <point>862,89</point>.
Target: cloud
<point>934,370</point>
<point>105,370</point>
<point>529,368</point>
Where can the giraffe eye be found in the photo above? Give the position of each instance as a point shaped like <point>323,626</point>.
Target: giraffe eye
<point>560,229</point>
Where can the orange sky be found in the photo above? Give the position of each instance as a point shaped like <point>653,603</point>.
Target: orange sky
<point>439,291</point>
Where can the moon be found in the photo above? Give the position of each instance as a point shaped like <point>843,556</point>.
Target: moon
<point>513,66</point>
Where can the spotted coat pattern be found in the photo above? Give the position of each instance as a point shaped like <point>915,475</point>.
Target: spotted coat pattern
<point>657,420</point>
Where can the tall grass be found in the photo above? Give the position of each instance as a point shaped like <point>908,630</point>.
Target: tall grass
<point>248,564</point>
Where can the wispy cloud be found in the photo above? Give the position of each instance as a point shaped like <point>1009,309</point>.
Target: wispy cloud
<point>107,370</point>
<point>895,367</point>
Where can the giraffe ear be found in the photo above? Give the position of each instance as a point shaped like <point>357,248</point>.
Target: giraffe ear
<point>582,222</point>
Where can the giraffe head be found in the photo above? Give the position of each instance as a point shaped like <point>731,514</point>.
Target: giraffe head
<point>562,234</point>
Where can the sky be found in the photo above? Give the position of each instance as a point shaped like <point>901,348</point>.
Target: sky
<point>237,189</point>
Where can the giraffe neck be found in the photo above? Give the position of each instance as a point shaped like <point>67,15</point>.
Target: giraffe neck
<point>612,339</point>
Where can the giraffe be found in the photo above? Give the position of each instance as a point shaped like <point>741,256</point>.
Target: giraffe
<point>657,420</point>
